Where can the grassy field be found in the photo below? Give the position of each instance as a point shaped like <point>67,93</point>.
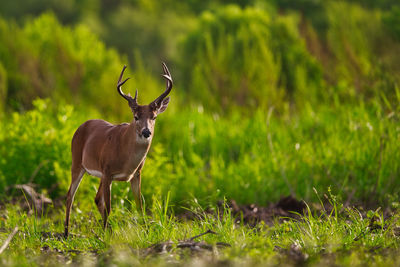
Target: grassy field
<point>342,236</point>
<point>348,150</point>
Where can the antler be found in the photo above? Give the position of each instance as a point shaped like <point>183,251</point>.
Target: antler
<point>168,78</point>
<point>128,97</point>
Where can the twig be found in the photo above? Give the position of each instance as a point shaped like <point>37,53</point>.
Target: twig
<point>38,200</point>
<point>207,232</point>
<point>5,245</point>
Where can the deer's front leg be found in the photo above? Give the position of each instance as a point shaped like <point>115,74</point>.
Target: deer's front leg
<point>135,185</point>
<point>107,199</point>
<point>103,199</point>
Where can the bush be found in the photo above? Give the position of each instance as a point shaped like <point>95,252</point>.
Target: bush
<point>46,59</point>
<point>247,57</point>
<point>37,140</point>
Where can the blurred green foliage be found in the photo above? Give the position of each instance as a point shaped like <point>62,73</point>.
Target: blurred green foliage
<point>45,59</point>
<point>270,97</point>
<point>36,139</point>
<point>249,58</point>
<point>392,22</point>
<point>226,57</point>
<point>258,158</point>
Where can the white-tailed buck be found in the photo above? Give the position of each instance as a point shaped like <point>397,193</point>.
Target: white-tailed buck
<point>115,152</point>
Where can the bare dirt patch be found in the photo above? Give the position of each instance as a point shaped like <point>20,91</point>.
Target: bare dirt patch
<point>286,207</point>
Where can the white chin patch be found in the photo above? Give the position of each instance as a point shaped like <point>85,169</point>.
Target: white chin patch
<point>142,140</point>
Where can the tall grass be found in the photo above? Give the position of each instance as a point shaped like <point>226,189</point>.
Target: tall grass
<point>253,159</point>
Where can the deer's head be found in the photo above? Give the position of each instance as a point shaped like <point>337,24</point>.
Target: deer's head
<point>145,115</point>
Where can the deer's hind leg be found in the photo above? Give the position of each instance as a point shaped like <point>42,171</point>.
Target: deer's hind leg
<point>77,173</point>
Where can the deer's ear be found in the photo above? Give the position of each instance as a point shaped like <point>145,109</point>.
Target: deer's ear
<point>163,106</point>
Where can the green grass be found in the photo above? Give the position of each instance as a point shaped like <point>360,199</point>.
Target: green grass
<point>341,236</point>
<point>257,158</point>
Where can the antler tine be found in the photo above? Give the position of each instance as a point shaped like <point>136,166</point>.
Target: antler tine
<point>165,68</point>
<point>167,76</point>
<point>119,85</point>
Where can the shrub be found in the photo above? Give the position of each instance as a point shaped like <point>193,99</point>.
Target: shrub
<point>247,57</point>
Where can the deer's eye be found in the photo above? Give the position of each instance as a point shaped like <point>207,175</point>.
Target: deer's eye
<point>154,118</point>
<point>136,118</point>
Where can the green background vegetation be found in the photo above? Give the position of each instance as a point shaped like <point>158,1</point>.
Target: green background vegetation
<point>270,98</point>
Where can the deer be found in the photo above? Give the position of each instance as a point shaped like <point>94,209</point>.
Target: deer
<point>115,152</point>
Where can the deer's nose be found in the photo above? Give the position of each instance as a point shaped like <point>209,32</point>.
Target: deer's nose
<point>146,133</point>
